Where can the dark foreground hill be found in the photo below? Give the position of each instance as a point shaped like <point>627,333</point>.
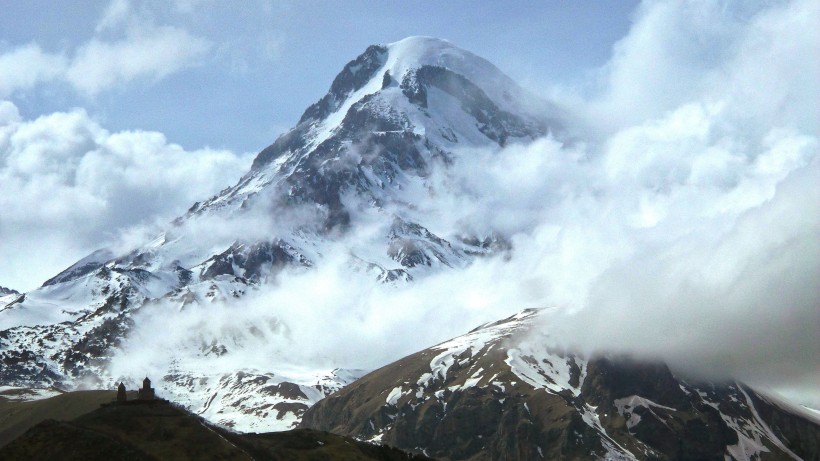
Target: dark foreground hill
<point>158,430</point>
<point>20,410</point>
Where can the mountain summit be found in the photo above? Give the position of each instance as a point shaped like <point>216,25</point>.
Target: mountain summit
<point>410,84</point>
<point>390,117</point>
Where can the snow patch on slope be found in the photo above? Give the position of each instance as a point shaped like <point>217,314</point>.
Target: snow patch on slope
<point>477,341</point>
<point>752,433</point>
<point>253,400</point>
<point>626,406</point>
<point>27,394</point>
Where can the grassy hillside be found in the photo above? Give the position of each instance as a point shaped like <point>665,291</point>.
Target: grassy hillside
<point>158,430</point>
<point>17,416</point>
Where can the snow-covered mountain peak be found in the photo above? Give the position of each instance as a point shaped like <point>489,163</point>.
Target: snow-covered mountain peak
<point>421,86</point>
<point>418,51</point>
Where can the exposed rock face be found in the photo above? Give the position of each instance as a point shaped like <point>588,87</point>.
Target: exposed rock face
<point>497,393</point>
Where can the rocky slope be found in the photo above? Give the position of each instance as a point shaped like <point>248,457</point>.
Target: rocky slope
<point>372,152</point>
<point>499,392</point>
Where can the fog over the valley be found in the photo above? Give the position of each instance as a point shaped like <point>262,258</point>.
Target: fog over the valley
<point>682,222</point>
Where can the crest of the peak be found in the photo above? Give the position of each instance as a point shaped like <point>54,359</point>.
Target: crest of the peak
<point>415,52</point>
<point>403,72</point>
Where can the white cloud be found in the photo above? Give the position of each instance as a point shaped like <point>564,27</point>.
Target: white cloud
<point>127,46</point>
<point>26,66</point>
<point>116,13</point>
<point>710,169</point>
<point>154,54</point>
<point>68,187</point>
<point>754,54</point>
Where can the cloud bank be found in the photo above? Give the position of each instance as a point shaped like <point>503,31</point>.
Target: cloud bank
<point>68,186</point>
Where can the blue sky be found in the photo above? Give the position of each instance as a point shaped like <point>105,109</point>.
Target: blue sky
<point>245,73</point>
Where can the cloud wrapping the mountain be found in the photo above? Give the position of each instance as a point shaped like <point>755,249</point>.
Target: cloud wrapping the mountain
<point>685,228</point>
<point>68,187</point>
<point>709,196</point>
